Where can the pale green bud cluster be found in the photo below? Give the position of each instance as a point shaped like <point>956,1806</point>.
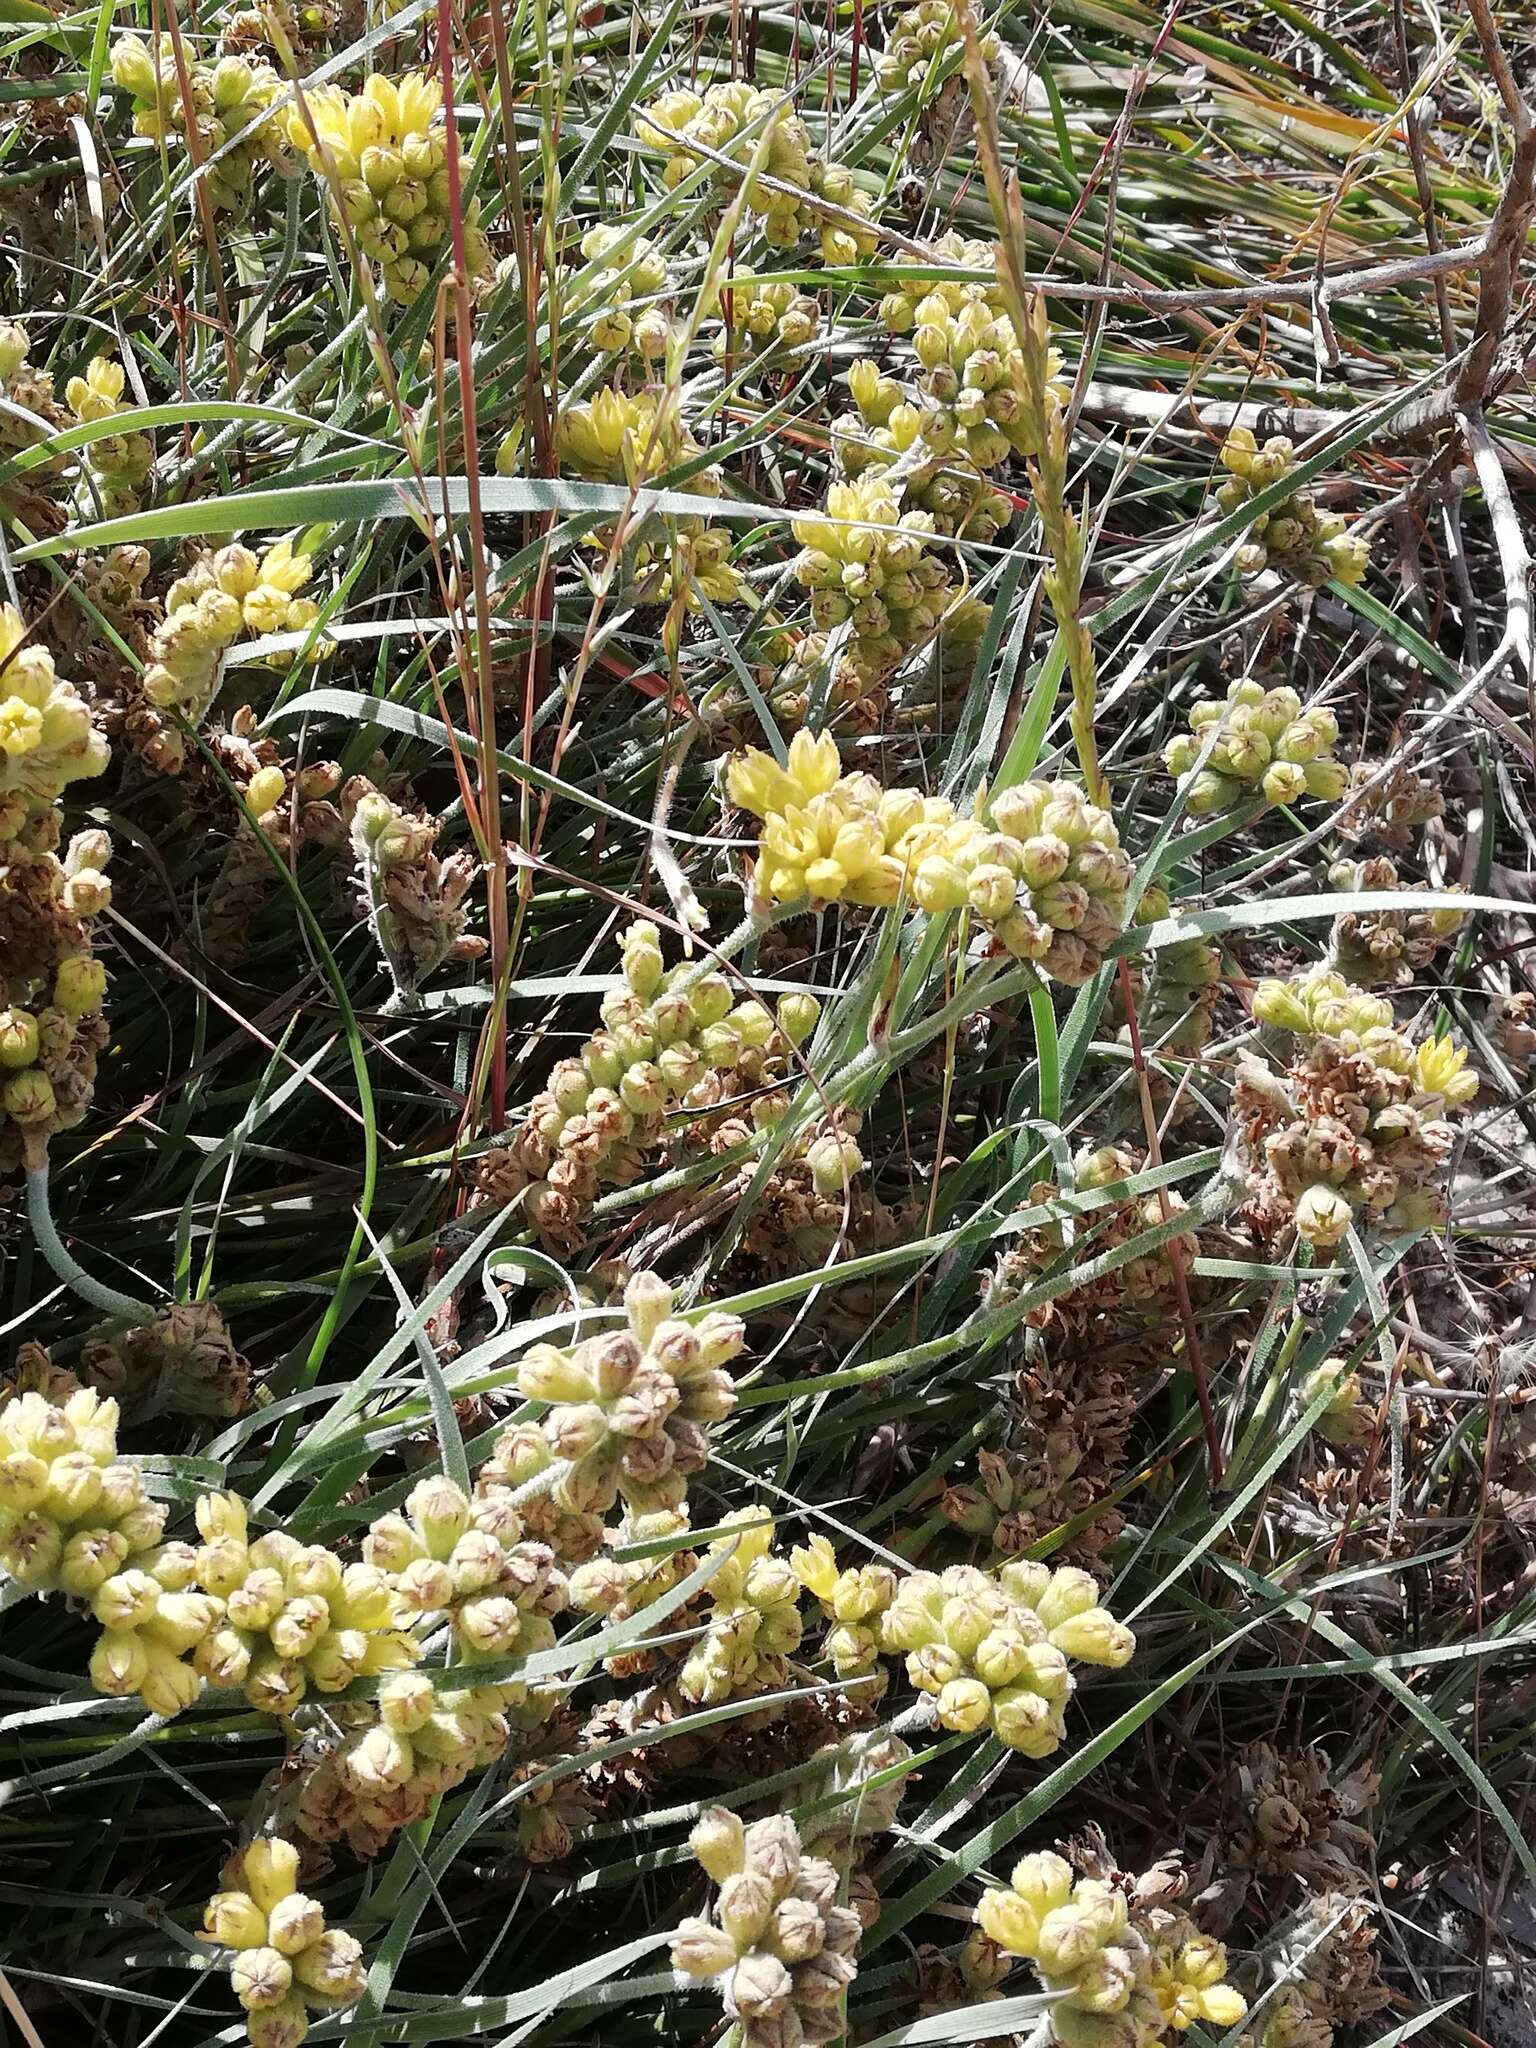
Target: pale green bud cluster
<point>759,315</point>
<point>290,1617</point>
<point>1314,546</point>
<point>231,101</point>
<point>1322,1004</point>
<point>853,1601</point>
<point>866,565</point>
<point>968,407</point>
<point>74,1519</point>
<point>1040,866</point>
<point>383,153</point>
<point>467,1558</point>
<point>665,1032</point>
<point>1266,745</point>
<point>1317,1003</point>
<point>922,36</point>
<point>784,1949</point>
<point>630,1410</point>
<point>119,465</point>
<point>1385,948</point>
<point>431,1741</point>
<point>893,426</point>
<point>752,1625</point>
<point>995,1652</point>
<point>964,414</point>
<point>47,740</point>
<point>728,119</point>
<point>285,1961</point>
<point>898,308</point>
<point>1358,1126</point>
<point>627,301</point>
<point>205,613</point>
<point>1125,1975</point>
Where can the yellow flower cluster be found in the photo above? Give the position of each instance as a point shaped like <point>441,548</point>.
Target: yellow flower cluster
<point>853,1600</point>
<point>51,990</point>
<point>423,1738</point>
<point>1266,745</point>
<point>1357,1127</point>
<point>618,1586</point>
<point>629,1411</point>
<point>230,103</point>
<point>72,1512</point>
<point>520,1456</point>
<point>47,740</point>
<point>965,414</point>
<point>393,1764</point>
<point>1125,1975</point>
<point>728,119</point>
<point>784,1947</point>
<point>631,438</point>
<point>386,149</point>
<point>1319,1003</point>
<point>1296,537</point>
<point>51,986</point>
<point>205,612</point>
<point>666,1033</point>
<point>1383,948</point>
<point>1348,1419</point>
<point>291,1616</point>
<point>920,37</point>
<point>1043,870</point>
<point>866,565</point>
<point>761,314</point>
<point>621,437</point>
<point>626,300</point>
<point>448,1554</point>
<point>119,465</point>
<point>31,412</point>
<point>994,1651</point>
<point>285,1959</point>
<point>753,1623</point>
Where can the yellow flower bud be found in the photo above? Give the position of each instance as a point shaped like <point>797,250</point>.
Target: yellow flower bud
<point>271,1868</point>
<point>234,1920</point>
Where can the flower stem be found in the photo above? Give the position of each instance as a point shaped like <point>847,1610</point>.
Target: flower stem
<point>60,1259</point>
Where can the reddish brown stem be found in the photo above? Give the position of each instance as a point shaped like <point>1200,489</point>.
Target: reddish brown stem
<point>484,697</point>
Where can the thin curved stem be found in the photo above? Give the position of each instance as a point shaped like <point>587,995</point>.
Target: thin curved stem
<point>61,1260</point>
